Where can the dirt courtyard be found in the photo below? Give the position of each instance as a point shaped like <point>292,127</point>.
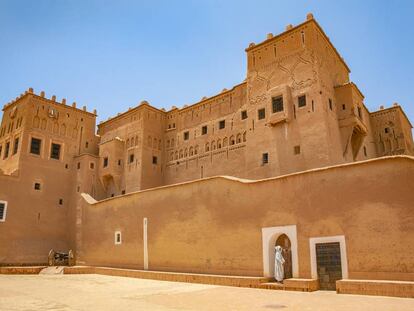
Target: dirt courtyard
<point>98,292</point>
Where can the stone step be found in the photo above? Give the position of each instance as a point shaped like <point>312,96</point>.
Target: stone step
<point>52,270</point>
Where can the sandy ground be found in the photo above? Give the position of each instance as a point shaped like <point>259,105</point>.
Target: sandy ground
<point>98,292</point>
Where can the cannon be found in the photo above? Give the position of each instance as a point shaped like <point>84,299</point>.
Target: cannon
<point>60,258</point>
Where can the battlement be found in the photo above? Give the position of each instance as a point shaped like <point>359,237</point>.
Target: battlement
<point>52,100</point>
<point>290,29</point>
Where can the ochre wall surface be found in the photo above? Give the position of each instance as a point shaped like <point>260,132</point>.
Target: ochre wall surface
<point>214,225</point>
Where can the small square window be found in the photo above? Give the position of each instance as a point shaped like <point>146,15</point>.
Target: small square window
<point>105,162</point>
<point>123,192</point>
<point>60,201</point>
<point>343,107</point>
<point>35,145</point>
<point>244,114</point>
<point>222,124</point>
<point>296,150</point>
<point>261,113</point>
<point>204,130</point>
<point>118,238</point>
<point>91,165</point>
<point>154,160</point>
<point>55,151</point>
<point>37,186</point>
<point>302,101</point>
<point>186,135</point>
<point>131,158</point>
<point>265,158</point>
<point>277,104</point>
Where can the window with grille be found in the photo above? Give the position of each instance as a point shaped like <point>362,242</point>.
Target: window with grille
<point>35,145</point>
<point>265,158</point>
<point>277,104</point>
<point>261,114</point>
<point>296,150</point>
<point>16,146</point>
<point>3,207</point>
<point>55,151</point>
<point>6,150</point>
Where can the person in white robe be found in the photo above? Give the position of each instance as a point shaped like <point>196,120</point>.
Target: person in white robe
<point>279,261</point>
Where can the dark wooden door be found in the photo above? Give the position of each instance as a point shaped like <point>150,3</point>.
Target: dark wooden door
<point>328,259</point>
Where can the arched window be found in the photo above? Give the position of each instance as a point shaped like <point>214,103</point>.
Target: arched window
<point>225,142</point>
<point>132,141</point>
<point>127,143</point>
<point>207,147</point>
<point>191,152</point>
<point>213,145</point>
<point>181,153</point>
<point>196,150</point>
<point>185,153</point>
<point>172,156</point>
<point>238,140</point>
<point>172,143</point>
<point>244,137</point>
<point>136,140</point>
<point>218,143</point>
<point>176,155</point>
<point>231,140</point>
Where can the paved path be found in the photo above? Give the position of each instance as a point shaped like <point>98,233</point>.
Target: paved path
<point>99,292</point>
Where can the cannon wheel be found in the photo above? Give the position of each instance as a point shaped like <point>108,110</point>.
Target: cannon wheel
<point>51,258</point>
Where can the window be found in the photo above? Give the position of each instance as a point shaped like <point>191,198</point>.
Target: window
<point>6,150</point>
<point>204,130</point>
<point>55,151</point>
<point>86,145</point>
<point>35,145</point>
<point>222,124</point>
<point>119,162</point>
<point>343,107</point>
<point>365,151</point>
<point>244,114</point>
<point>386,130</point>
<point>78,166</point>
<point>302,101</point>
<point>91,165</point>
<point>118,238</point>
<point>123,192</point>
<point>60,201</point>
<point>154,160</point>
<point>330,103</point>
<point>105,162</point>
<point>37,186</point>
<point>296,150</point>
<point>186,135</point>
<point>3,209</point>
<point>131,158</point>
<point>261,113</point>
<point>277,104</point>
<point>16,145</point>
<point>265,158</point>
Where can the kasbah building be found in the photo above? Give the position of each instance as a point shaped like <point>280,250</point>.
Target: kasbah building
<point>290,156</point>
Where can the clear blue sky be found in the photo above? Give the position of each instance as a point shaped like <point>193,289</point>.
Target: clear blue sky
<point>110,55</point>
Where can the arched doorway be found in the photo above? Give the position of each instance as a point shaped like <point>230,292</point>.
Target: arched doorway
<point>284,242</point>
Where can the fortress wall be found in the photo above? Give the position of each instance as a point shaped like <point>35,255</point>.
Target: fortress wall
<point>215,225</point>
